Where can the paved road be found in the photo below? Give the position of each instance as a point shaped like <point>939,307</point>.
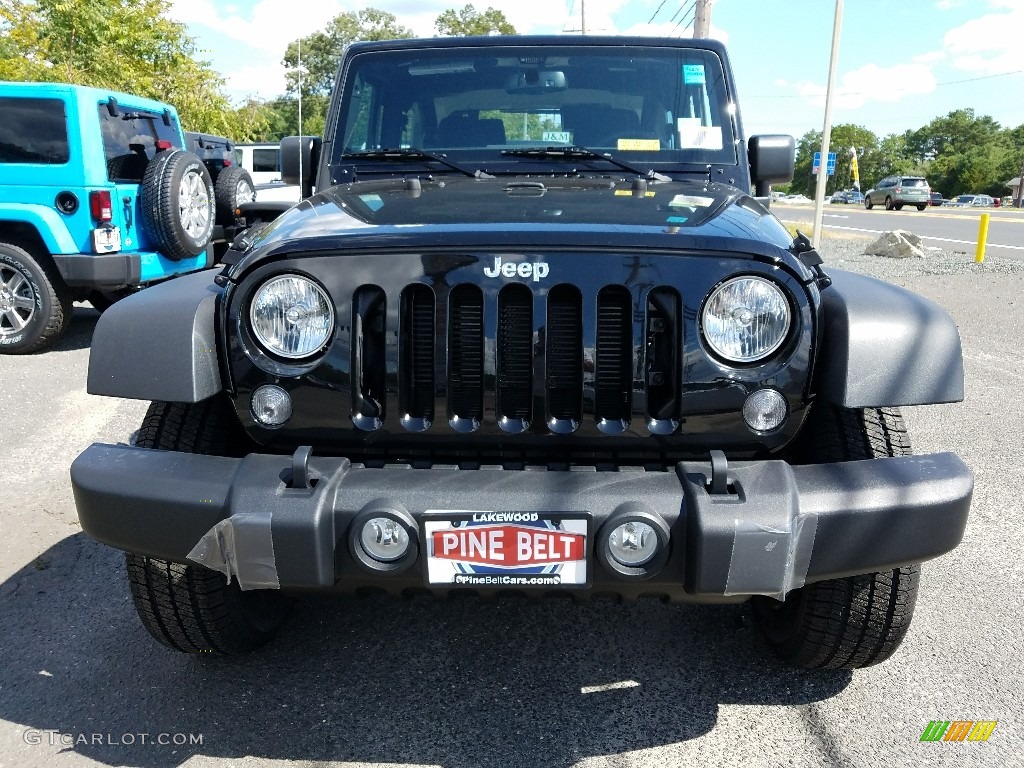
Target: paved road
<point>465,684</point>
<point>949,228</point>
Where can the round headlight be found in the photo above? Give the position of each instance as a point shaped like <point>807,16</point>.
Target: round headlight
<point>291,316</point>
<point>746,319</point>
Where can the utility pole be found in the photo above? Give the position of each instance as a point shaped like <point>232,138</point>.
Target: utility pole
<point>702,18</point>
<point>583,19</point>
<point>1018,201</point>
<point>826,131</point>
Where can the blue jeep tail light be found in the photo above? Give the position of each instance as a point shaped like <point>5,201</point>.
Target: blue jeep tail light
<point>100,206</point>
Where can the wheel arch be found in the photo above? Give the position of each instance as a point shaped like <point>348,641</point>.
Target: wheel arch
<point>886,346</point>
<point>159,344</point>
<point>36,228</point>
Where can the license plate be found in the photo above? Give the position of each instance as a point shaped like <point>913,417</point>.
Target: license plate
<point>506,549</point>
<point>106,240</point>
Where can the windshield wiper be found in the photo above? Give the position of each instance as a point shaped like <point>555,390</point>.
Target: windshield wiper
<point>582,153</point>
<point>413,153</point>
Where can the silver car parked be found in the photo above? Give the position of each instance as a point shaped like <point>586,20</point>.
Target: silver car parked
<point>896,191</point>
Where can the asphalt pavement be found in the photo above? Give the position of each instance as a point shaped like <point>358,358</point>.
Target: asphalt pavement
<point>470,684</point>
<point>938,226</point>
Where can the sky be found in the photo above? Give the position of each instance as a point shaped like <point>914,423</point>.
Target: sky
<point>900,65</point>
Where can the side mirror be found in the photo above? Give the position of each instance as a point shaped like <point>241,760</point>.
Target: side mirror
<point>300,152</point>
<point>772,159</point>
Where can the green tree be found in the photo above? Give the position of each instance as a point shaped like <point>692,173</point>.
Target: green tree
<point>842,138</point>
<point>469,21</point>
<point>321,54</point>
<point>321,51</point>
<point>956,133</point>
<point>123,45</point>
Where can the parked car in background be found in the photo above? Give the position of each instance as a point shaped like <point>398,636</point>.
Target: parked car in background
<point>98,197</point>
<point>232,184</point>
<point>262,161</point>
<point>971,201</point>
<point>959,201</point>
<point>896,191</point>
<point>794,199</point>
<point>937,199</point>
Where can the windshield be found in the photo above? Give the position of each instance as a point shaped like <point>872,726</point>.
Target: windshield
<point>645,105</point>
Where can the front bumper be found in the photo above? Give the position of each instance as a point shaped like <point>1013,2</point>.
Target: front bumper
<point>762,527</point>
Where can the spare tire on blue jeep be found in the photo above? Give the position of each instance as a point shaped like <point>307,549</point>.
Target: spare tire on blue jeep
<point>178,203</point>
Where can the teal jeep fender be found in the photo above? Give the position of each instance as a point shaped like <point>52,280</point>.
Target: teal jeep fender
<point>886,346</point>
<point>160,343</point>
<point>46,221</point>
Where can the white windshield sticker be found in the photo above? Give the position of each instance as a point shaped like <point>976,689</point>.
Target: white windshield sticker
<point>691,201</point>
<point>693,135</point>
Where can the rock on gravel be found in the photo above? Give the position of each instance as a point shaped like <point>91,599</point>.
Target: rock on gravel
<point>847,253</point>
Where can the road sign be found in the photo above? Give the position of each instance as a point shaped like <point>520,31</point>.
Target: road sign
<point>830,166</point>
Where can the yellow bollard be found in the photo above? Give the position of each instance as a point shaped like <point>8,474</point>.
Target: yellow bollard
<point>979,254</point>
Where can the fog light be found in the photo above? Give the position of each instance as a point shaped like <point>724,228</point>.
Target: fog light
<point>271,405</point>
<point>764,410</point>
<point>384,539</point>
<point>632,544</point>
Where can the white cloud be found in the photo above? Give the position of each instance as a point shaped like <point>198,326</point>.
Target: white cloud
<point>932,57</point>
<point>989,44</point>
<point>873,83</point>
<point>267,27</point>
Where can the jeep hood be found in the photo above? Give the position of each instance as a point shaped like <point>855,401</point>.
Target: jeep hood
<point>531,212</point>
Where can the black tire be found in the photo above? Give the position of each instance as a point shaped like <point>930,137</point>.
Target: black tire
<point>188,607</point>
<point>922,206</point>
<point>888,204</point>
<point>35,305</point>
<point>856,621</point>
<point>868,204</point>
<point>898,206</point>
<point>234,186</point>
<point>178,204</point>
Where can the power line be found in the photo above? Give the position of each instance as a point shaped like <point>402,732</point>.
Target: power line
<point>900,90</point>
<point>686,15</point>
<point>654,14</point>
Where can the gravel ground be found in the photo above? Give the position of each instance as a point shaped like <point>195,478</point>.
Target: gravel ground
<point>848,253</point>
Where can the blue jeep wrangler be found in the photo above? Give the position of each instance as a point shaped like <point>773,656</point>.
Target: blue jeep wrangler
<point>97,198</point>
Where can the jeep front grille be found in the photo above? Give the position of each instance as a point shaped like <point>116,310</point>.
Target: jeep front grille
<point>515,359</point>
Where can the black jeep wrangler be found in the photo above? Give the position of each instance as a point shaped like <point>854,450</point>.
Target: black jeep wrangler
<point>537,332</point>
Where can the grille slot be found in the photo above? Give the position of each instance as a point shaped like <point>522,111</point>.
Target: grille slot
<point>564,359</point>
<point>664,339</point>
<point>369,359</point>
<point>465,357</point>
<point>416,371</point>
<point>613,375</point>
<point>515,357</point>
<point>498,363</point>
